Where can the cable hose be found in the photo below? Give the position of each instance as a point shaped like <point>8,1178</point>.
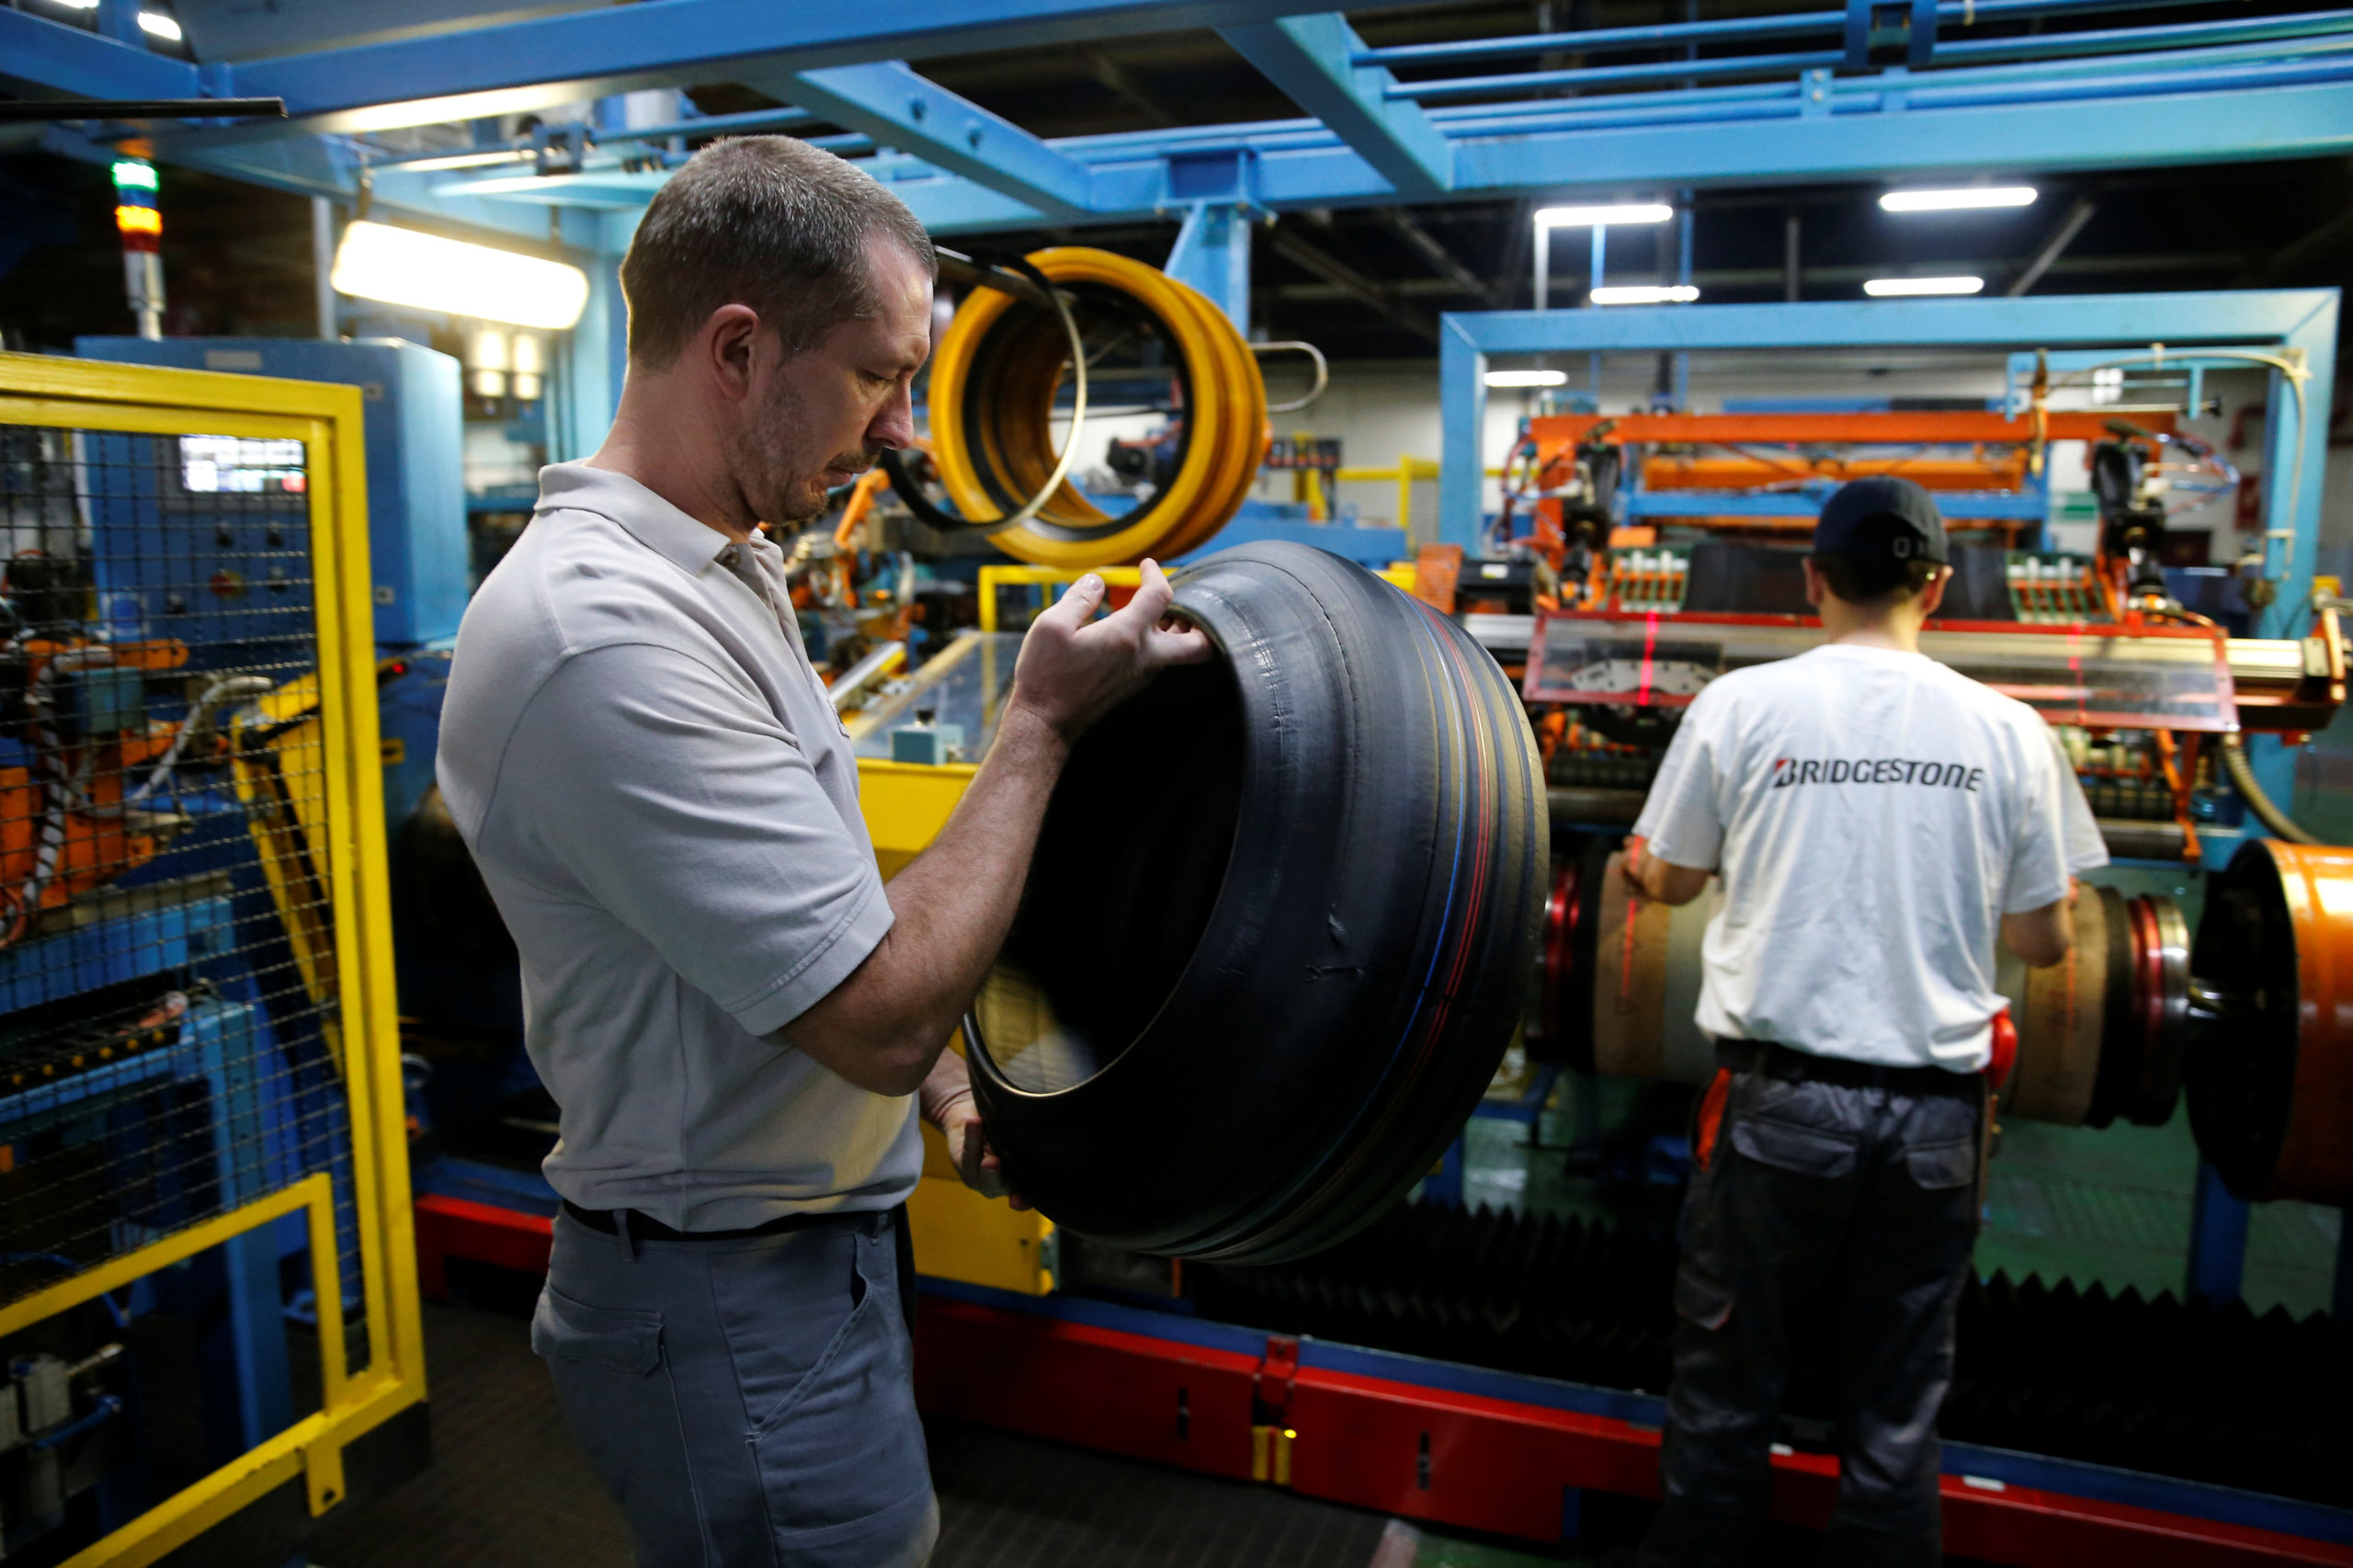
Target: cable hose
<point>2277,821</point>
<point>995,376</point>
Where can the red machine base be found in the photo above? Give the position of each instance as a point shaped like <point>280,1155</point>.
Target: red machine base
<point>1415,1439</point>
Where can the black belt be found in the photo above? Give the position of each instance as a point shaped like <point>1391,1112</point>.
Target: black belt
<point>1775,1059</point>
<point>645,1228</point>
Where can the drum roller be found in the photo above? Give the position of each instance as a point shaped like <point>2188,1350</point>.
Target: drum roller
<point>995,378</point>
<point>2100,1036</point>
<point>2270,1057</point>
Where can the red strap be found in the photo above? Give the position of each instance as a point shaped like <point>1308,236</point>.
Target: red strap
<point>2006,1050</point>
<point>1711,1117</point>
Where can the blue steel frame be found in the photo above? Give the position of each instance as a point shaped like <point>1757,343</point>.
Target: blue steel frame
<point>2271,86</point>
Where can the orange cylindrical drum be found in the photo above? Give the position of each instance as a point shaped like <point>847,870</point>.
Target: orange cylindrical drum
<point>2270,1073</point>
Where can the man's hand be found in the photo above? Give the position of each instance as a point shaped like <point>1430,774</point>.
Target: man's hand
<point>947,1103</point>
<point>884,1028</point>
<point>1073,669</point>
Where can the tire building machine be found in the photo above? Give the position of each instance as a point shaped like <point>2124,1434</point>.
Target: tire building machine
<point>1489,1371</point>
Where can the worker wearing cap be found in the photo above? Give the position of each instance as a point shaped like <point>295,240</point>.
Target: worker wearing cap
<point>1879,821</point>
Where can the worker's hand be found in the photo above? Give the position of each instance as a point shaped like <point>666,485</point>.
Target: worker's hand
<point>1073,669</point>
<point>1631,867</point>
<point>945,1101</point>
<point>968,1145</point>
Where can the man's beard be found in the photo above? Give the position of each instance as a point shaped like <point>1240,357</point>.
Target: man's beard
<point>781,481</point>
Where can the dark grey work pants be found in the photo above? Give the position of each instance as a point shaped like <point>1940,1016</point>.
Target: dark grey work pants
<point>1853,1201</point>
<point>750,1403</point>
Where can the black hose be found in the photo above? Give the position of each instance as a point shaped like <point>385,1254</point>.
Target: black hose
<point>2279,823</point>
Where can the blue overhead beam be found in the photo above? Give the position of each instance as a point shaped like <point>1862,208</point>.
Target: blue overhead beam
<point>1559,146</point>
<point>538,62</point>
<point>899,108</point>
<point>43,59</point>
<point>1310,59</point>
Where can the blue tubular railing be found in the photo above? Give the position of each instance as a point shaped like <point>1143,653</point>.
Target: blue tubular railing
<point>2286,63</point>
<point>2171,50</point>
<point>2326,59</point>
<point>2178,35</point>
<point>1617,75</point>
<point>1741,29</point>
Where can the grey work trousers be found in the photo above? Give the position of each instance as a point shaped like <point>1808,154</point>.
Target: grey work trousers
<point>750,1404</point>
<point>1850,1200</point>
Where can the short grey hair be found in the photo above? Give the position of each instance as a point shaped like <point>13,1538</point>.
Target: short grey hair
<point>766,222</point>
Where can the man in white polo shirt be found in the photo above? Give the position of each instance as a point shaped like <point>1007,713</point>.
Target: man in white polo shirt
<point>1878,820</point>
<point>737,1019</point>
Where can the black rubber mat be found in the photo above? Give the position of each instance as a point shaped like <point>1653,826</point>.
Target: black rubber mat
<point>509,1488</point>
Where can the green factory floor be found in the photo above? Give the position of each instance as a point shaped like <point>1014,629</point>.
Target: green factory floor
<point>2107,1207</point>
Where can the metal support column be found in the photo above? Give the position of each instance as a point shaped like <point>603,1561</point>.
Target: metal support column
<point>586,391</point>
<point>322,239</point>
<point>1213,255</point>
<point>2217,1240</point>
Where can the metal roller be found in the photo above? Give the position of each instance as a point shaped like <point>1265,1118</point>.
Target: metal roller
<point>995,378</point>
<point>2100,1033</point>
<point>2100,1036</point>
<point>2269,1068</point>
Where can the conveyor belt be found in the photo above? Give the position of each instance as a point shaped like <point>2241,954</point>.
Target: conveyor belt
<point>2204,1393</point>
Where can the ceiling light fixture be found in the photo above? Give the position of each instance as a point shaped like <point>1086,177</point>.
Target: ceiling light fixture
<point>1644,294</point>
<point>1886,287</point>
<point>1964,199</point>
<point>154,22</point>
<point>426,272</point>
<point>1602,217</point>
<point>435,165</point>
<point>1528,378</point>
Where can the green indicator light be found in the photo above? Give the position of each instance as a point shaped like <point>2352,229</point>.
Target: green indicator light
<point>134,174</point>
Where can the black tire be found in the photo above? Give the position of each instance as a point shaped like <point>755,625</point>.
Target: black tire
<point>1284,907</point>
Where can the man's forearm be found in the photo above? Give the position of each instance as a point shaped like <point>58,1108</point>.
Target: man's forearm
<point>945,1087</point>
<point>885,1025</point>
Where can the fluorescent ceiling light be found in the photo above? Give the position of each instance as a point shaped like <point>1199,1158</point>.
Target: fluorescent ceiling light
<point>426,272</point>
<point>1644,294</point>
<point>1957,201</point>
<point>155,22</point>
<point>1882,288</point>
<point>1528,378</point>
<point>458,161</point>
<point>1602,217</point>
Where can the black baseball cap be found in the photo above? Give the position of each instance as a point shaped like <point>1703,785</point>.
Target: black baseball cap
<point>1882,516</point>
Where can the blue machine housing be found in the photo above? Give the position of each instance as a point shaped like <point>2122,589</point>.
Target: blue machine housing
<point>415,422</point>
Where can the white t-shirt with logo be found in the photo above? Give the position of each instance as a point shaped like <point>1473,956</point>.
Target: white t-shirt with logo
<point>1873,814</point>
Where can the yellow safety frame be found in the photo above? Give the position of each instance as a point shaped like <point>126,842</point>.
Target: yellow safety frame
<point>1409,469</point>
<point>76,394</point>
